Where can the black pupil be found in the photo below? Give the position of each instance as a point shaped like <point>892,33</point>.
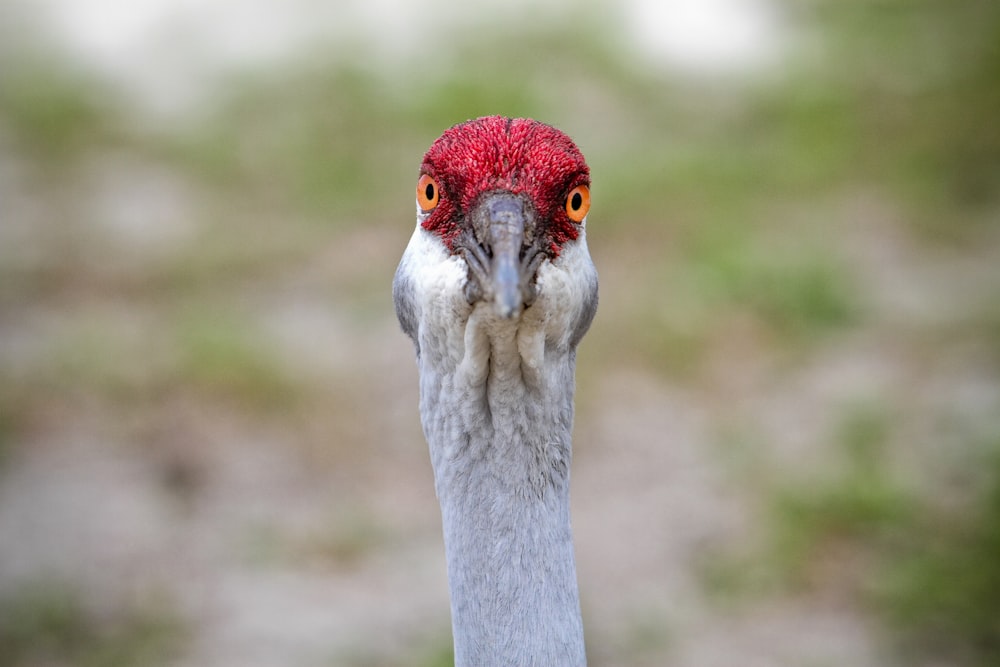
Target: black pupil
<point>576,201</point>
<point>429,191</point>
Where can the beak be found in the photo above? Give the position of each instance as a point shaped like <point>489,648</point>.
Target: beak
<point>503,259</point>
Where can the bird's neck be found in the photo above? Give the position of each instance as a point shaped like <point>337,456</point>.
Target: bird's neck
<point>499,427</point>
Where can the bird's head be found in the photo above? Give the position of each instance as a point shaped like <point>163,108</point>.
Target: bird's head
<point>505,195</point>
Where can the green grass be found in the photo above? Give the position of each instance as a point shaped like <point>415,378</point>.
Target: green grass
<point>925,77</point>
<point>859,506</point>
<point>930,573</point>
<point>828,524</point>
<point>434,648</point>
<point>224,356</point>
<point>95,358</point>
<point>799,292</point>
<point>52,110</point>
<point>436,651</point>
<point>793,297</point>
<point>941,591</point>
<point>48,623</point>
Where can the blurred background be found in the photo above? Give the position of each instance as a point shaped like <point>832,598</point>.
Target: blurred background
<point>787,444</point>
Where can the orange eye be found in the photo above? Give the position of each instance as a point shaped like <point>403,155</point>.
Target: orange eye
<point>578,203</point>
<point>427,193</point>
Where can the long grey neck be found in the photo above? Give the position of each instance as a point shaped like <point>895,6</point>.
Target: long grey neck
<point>499,435</point>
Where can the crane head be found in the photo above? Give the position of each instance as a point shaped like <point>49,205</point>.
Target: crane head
<point>505,195</point>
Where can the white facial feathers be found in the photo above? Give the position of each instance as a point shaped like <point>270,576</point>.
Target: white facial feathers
<point>454,336</point>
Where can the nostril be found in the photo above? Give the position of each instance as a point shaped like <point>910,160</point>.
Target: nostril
<point>505,210</point>
<point>501,213</point>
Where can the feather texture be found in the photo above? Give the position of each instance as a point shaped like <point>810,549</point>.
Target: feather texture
<point>496,404</point>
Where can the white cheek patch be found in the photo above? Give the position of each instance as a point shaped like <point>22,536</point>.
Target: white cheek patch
<point>438,280</point>
<point>566,289</point>
<point>473,340</point>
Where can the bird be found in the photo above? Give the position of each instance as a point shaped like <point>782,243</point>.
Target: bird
<point>496,288</point>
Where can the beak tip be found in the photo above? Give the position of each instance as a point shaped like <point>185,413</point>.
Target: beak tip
<point>507,285</point>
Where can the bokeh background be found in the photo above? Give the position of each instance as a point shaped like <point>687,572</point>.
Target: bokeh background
<point>787,445</point>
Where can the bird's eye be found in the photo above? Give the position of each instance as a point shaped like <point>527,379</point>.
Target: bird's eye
<point>427,193</point>
<point>578,203</point>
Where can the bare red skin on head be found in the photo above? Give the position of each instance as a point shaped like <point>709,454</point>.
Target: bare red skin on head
<point>518,155</point>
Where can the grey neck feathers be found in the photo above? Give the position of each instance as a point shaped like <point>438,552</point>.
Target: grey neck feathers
<point>499,434</point>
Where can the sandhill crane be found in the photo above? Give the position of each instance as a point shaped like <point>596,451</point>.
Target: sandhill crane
<point>496,288</point>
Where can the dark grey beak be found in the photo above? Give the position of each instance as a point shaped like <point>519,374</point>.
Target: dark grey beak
<point>503,258</point>
<point>506,236</point>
